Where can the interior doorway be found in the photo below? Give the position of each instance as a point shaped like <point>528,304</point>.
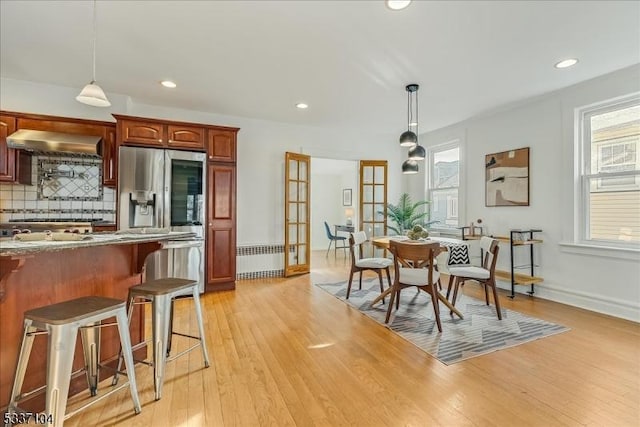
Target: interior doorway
<point>334,199</point>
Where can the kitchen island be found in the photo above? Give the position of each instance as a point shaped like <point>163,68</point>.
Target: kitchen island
<point>39,273</point>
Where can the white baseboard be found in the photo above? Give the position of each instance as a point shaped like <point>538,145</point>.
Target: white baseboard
<point>629,310</point>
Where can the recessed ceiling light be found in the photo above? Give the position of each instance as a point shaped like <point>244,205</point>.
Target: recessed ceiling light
<point>397,4</point>
<point>168,83</point>
<point>301,105</point>
<point>566,63</point>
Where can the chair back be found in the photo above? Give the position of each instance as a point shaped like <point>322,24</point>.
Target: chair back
<point>355,244</point>
<point>490,247</point>
<point>414,255</point>
<point>328,230</point>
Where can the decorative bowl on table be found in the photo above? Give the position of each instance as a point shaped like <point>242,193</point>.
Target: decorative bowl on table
<point>417,233</point>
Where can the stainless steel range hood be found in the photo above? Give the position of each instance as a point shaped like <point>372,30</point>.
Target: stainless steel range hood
<point>55,143</point>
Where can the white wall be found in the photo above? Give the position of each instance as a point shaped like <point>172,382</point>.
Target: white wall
<point>261,148</point>
<point>603,280</point>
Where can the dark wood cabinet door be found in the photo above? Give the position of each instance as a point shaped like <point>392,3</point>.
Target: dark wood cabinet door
<point>141,133</point>
<point>221,146</point>
<point>7,155</point>
<point>221,227</point>
<point>109,158</point>
<point>185,137</point>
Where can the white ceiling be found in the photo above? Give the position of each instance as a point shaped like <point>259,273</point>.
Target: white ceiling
<point>349,60</point>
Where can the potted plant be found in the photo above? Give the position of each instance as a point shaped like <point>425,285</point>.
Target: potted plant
<point>406,214</point>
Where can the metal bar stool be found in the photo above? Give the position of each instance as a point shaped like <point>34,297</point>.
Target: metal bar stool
<point>61,323</point>
<point>161,293</point>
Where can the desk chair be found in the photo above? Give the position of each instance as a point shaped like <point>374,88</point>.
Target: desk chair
<point>334,240</point>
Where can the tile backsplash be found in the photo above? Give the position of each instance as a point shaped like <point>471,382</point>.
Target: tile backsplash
<point>69,179</point>
<point>62,188</point>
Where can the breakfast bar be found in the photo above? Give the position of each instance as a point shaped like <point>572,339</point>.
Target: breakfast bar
<point>35,273</point>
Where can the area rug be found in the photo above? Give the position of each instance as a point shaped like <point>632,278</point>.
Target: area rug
<point>480,332</point>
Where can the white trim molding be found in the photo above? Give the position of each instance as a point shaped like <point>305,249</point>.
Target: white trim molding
<point>629,310</point>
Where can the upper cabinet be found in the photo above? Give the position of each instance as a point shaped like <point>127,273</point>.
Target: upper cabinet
<point>109,158</point>
<point>160,134</point>
<point>15,165</point>
<point>180,136</point>
<point>221,145</point>
<point>140,133</point>
<point>7,155</point>
<point>105,130</point>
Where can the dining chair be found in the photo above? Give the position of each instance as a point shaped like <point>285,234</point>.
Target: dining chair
<point>360,264</point>
<point>485,275</point>
<point>334,240</point>
<point>414,266</point>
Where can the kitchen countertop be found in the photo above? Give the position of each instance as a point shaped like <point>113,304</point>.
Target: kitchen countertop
<point>10,247</point>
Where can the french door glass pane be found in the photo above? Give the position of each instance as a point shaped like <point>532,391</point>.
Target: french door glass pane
<point>378,195</point>
<point>302,192</point>
<point>367,175</point>
<point>367,212</point>
<point>293,234</point>
<point>293,191</point>
<point>378,177</point>
<point>293,169</point>
<point>293,209</point>
<point>302,237</point>
<point>302,254</point>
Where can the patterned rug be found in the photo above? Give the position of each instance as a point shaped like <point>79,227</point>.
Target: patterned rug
<point>480,332</point>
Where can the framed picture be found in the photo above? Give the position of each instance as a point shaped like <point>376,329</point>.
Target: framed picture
<point>507,178</point>
<point>346,197</point>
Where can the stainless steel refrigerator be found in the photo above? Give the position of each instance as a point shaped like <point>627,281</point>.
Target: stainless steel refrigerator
<point>165,189</point>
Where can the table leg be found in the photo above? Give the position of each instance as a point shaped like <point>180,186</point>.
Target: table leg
<point>382,295</point>
<point>448,304</point>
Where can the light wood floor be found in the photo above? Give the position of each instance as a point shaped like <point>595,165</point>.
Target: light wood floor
<point>285,353</point>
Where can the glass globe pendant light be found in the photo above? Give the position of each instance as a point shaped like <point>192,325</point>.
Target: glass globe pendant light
<point>92,94</point>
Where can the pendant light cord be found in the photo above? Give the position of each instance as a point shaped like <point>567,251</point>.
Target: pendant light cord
<point>94,42</point>
<point>416,114</point>
<point>409,115</point>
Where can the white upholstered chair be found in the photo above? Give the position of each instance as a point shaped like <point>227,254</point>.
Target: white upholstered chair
<point>360,264</point>
<point>484,275</point>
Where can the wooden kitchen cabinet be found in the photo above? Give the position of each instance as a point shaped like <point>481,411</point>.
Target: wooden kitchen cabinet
<point>221,226</point>
<point>221,145</point>
<point>109,158</point>
<point>136,132</point>
<point>180,136</point>
<point>15,165</point>
<point>105,130</point>
<point>159,133</point>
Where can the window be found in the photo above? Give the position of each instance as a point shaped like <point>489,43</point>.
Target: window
<point>610,172</point>
<point>443,182</point>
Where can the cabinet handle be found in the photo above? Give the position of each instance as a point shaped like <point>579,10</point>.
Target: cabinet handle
<point>170,141</point>
<point>210,224</point>
<point>160,140</point>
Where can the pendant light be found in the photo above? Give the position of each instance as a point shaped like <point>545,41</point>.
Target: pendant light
<point>92,94</point>
<point>409,167</point>
<point>410,138</point>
